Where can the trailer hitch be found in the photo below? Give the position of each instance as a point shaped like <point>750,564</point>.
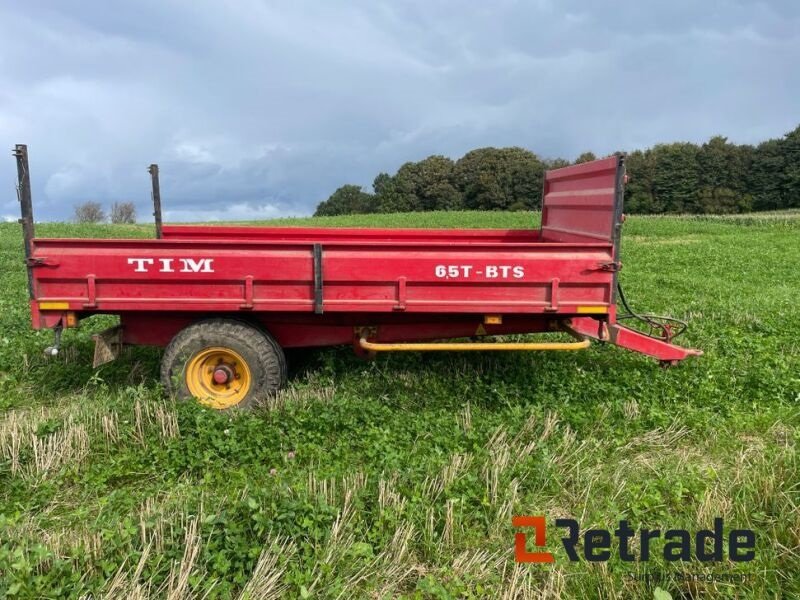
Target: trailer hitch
<point>655,342</point>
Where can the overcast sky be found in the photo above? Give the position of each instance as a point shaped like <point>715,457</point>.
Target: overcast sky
<point>261,109</point>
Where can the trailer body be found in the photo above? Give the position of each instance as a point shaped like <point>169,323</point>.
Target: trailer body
<point>311,287</point>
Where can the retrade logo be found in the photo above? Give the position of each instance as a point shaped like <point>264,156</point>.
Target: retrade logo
<point>521,553</point>
<point>706,545</point>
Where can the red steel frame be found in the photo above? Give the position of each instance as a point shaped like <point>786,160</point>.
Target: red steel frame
<point>319,286</point>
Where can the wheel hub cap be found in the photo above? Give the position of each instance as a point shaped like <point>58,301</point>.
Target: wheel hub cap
<point>218,377</point>
<point>222,375</point>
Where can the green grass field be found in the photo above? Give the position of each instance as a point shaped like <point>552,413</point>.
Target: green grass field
<point>399,477</point>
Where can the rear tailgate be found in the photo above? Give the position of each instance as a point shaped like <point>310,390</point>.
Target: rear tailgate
<point>583,203</point>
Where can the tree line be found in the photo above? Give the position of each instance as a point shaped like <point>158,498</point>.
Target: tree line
<point>715,177</point>
<point>92,212</point>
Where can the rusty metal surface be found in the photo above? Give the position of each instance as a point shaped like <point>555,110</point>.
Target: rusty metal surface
<point>153,170</point>
<point>26,207</point>
<point>107,345</point>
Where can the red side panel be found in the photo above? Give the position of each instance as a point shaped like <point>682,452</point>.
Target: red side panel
<point>583,203</point>
<point>279,276</point>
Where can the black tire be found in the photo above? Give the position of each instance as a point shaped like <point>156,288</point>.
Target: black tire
<point>263,356</point>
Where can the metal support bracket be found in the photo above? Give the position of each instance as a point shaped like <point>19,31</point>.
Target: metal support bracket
<point>53,350</point>
<point>248,293</point>
<point>553,307</point>
<point>107,345</point>
<point>91,291</point>
<point>318,308</point>
<point>401,294</point>
<point>26,207</point>
<point>153,170</point>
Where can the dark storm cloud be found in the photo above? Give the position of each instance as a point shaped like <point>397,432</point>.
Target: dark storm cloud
<point>255,109</point>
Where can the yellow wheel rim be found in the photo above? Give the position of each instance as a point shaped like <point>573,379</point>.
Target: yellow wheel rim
<point>218,377</point>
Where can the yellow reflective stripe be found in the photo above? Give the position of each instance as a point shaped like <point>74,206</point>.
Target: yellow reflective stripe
<point>592,310</point>
<point>53,305</point>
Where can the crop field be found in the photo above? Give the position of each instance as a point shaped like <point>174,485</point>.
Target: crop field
<point>399,477</point>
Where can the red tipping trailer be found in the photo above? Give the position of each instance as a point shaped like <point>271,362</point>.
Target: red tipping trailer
<point>225,300</point>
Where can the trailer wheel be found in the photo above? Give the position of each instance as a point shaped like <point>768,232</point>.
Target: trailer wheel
<point>223,363</point>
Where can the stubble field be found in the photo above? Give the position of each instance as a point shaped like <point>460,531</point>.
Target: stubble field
<point>399,477</point>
